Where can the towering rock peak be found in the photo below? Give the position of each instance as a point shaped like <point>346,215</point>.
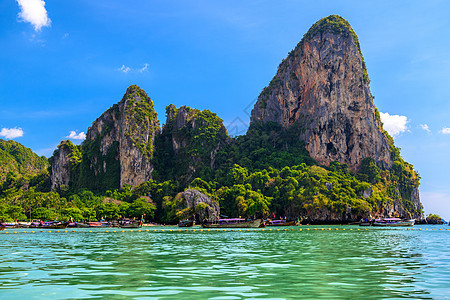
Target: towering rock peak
<point>119,145</point>
<point>323,88</point>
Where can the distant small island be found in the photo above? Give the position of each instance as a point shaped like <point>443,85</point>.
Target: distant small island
<point>315,150</point>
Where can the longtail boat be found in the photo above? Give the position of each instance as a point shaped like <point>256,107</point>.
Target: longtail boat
<point>131,223</point>
<point>53,225</point>
<point>393,222</point>
<point>281,223</point>
<point>186,223</point>
<point>234,223</point>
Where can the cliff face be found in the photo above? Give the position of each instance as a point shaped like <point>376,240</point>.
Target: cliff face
<point>61,165</point>
<point>118,149</point>
<point>322,87</point>
<point>190,141</point>
<point>126,134</point>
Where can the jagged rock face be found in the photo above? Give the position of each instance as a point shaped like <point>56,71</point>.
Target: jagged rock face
<point>398,209</point>
<point>195,137</point>
<point>60,174</point>
<point>204,207</point>
<point>127,132</point>
<point>322,87</point>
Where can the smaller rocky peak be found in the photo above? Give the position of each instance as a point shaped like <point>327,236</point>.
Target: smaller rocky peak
<point>177,118</point>
<point>64,160</point>
<point>135,96</point>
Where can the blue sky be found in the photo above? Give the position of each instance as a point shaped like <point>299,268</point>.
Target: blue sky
<point>63,63</point>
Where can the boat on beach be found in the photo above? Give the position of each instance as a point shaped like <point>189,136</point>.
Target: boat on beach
<point>393,222</point>
<point>234,223</point>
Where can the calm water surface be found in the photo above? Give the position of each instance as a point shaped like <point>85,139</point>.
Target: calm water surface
<point>306,264</point>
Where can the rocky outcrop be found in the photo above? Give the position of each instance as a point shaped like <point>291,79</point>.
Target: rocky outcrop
<point>194,137</point>
<point>119,146</point>
<point>130,127</point>
<point>61,165</point>
<point>323,88</point>
<point>205,208</point>
<point>401,207</point>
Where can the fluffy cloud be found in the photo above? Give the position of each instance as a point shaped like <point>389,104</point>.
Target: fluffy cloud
<point>445,130</point>
<point>394,124</point>
<point>124,69</point>
<point>425,127</point>
<point>11,133</point>
<point>34,12</point>
<point>75,136</point>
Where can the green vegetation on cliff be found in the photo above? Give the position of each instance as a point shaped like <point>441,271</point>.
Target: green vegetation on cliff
<point>190,139</point>
<point>19,160</point>
<point>141,117</point>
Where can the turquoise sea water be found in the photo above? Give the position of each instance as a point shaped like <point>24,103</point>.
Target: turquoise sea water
<point>306,264</point>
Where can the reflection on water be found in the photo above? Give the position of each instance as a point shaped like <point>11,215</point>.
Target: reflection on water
<point>350,264</point>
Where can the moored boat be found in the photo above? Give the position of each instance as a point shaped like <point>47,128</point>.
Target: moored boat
<point>393,222</point>
<point>234,223</point>
<point>53,225</point>
<point>281,223</point>
<point>186,223</point>
<point>131,225</point>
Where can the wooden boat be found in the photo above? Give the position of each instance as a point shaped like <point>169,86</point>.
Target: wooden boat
<point>234,223</point>
<point>131,224</point>
<point>53,225</point>
<point>281,223</point>
<point>186,223</point>
<point>10,225</point>
<point>392,222</point>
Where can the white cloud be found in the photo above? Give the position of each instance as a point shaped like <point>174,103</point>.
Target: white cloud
<point>75,136</point>
<point>425,127</point>
<point>143,68</point>
<point>65,35</point>
<point>394,124</point>
<point>34,12</point>
<point>445,130</point>
<point>11,133</point>
<point>124,69</point>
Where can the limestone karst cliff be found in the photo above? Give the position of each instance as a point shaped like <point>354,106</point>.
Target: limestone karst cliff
<point>189,142</point>
<point>323,88</point>
<point>315,147</point>
<point>64,164</point>
<point>119,145</point>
